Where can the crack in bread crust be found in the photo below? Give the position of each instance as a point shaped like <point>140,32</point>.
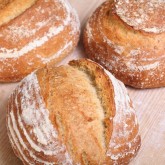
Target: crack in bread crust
<point>74,114</point>
<point>75,119</point>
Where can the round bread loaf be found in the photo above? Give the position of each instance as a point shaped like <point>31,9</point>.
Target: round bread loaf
<point>74,114</point>
<point>34,33</point>
<point>128,39</point>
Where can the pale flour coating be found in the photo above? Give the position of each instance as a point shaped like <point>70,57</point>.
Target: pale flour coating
<point>44,33</point>
<point>147,15</point>
<point>34,115</point>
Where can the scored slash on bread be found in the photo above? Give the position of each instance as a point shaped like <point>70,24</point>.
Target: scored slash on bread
<point>73,114</point>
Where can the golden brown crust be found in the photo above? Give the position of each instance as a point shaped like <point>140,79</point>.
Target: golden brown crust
<point>104,90</point>
<point>44,33</point>
<point>55,117</point>
<point>10,9</point>
<point>64,86</point>
<point>133,56</point>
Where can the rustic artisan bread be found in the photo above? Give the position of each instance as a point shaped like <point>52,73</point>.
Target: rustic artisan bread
<point>128,38</point>
<point>34,33</point>
<point>75,114</point>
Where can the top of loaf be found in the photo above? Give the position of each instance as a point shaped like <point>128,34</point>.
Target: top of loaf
<point>61,116</point>
<point>145,15</point>
<point>80,106</point>
<point>57,118</point>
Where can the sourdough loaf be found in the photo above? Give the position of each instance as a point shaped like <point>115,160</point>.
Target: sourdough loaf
<point>74,114</point>
<point>128,38</point>
<point>34,33</point>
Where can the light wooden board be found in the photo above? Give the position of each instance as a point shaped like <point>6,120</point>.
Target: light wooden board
<point>149,104</point>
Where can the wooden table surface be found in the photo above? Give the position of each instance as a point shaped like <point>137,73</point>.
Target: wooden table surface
<point>149,104</point>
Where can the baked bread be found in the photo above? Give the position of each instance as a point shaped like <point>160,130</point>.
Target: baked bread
<point>34,33</point>
<point>75,114</point>
<point>128,39</point>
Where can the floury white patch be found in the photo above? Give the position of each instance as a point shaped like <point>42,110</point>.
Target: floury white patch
<point>42,136</point>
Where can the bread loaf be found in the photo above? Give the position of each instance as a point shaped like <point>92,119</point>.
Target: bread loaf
<point>34,33</point>
<point>74,114</point>
<point>128,38</point>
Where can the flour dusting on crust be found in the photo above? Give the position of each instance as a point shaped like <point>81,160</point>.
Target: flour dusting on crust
<point>17,32</point>
<point>31,130</point>
<point>122,127</point>
<point>45,33</point>
<point>146,15</point>
<point>134,57</point>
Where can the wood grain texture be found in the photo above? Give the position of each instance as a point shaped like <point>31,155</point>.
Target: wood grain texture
<point>149,104</point>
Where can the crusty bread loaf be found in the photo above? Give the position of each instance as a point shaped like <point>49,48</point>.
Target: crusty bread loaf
<point>128,38</point>
<point>74,114</point>
<point>34,33</point>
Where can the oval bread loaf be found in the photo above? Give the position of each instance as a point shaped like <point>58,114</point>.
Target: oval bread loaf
<point>34,33</point>
<point>128,38</point>
<point>74,114</point>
